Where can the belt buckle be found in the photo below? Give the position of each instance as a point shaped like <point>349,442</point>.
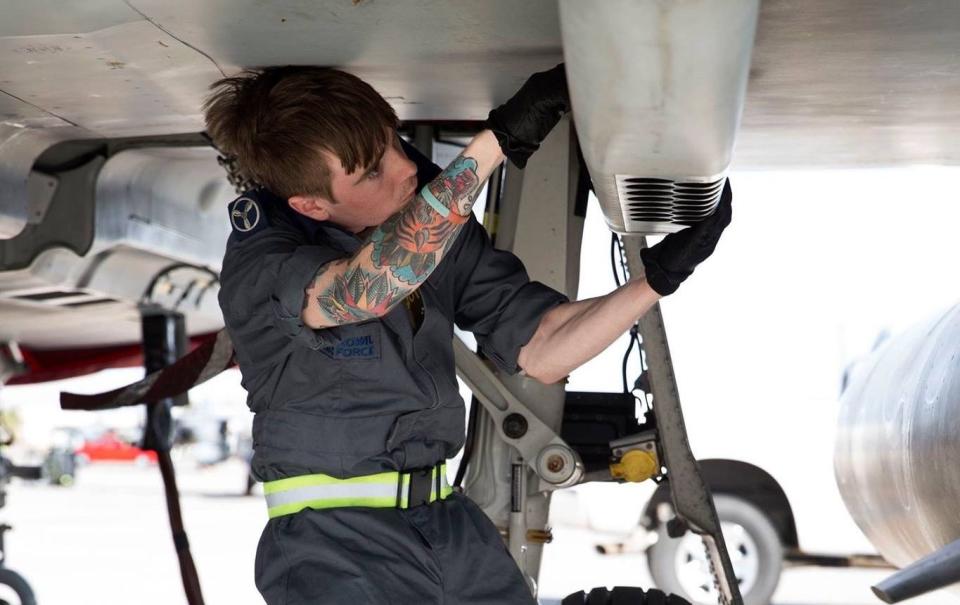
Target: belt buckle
<point>423,483</point>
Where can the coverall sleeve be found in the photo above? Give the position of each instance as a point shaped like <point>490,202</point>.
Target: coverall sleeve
<point>262,291</point>
<point>496,299</point>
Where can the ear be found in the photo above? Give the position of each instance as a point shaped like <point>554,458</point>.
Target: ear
<point>315,207</point>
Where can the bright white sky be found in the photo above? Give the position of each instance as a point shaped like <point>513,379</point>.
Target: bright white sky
<point>813,267</point>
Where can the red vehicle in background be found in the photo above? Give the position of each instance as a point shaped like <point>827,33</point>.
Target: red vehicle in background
<point>109,447</point>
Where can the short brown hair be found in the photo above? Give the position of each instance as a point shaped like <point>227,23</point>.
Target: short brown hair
<point>277,122</point>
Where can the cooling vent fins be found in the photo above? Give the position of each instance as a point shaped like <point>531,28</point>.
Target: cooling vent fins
<point>668,204</point>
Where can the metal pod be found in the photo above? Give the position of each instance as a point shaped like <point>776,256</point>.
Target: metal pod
<point>897,448</point>
<point>657,90</point>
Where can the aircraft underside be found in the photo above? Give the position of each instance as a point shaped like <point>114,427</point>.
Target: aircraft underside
<point>113,201</point>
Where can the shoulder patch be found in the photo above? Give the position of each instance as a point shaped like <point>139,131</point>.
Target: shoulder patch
<point>247,215</point>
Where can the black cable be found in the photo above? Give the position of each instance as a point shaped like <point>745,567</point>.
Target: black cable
<point>186,293</point>
<point>203,291</point>
<point>614,245</point>
<point>616,252</point>
<point>626,358</point>
<point>615,249</point>
<point>148,291</point>
<point>470,440</point>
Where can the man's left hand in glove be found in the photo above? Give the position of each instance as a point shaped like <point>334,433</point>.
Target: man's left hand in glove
<point>674,258</point>
<point>570,334</point>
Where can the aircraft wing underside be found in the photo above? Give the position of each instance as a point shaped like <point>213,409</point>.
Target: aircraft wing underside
<point>862,82</point>
<point>109,199</point>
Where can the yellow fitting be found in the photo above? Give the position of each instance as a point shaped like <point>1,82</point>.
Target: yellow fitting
<point>635,466</point>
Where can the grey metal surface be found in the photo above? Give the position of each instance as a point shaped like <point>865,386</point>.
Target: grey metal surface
<point>534,219</point>
<point>854,83</point>
<point>499,401</point>
<point>170,202</point>
<point>897,447</point>
<point>691,495</point>
<point>101,66</point>
<point>76,278</point>
<point>510,479</point>
<point>541,199</point>
<point>657,91</point>
<point>863,82</point>
<point>144,66</point>
<point>19,149</point>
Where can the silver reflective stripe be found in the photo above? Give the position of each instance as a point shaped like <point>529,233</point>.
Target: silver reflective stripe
<point>332,492</point>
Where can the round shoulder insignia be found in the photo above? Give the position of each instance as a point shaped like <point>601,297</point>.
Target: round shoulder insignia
<point>245,215</point>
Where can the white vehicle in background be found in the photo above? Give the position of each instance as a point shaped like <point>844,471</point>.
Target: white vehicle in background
<point>787,511</point>
<point>778,505</point>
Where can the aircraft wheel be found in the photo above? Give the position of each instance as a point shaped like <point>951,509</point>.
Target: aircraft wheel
<point>14,589</point>
<point>681,566</point>
<point>623,595</point>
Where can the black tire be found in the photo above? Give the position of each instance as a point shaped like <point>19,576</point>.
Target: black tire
<point>622,595</point>
<point>10,578</point>
<point>662,556</point>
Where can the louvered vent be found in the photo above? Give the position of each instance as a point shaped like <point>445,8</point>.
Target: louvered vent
<point>64,298</point>
<point>649,202</point>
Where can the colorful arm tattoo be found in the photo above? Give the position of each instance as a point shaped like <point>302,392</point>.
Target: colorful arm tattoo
<point>402,252</point>
<point>412,242</point>
<point>357,295</point>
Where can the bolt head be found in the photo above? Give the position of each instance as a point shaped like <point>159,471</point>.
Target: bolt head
<point>515,426</point>
<point>555,463</point>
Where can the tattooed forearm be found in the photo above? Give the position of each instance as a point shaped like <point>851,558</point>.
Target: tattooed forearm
<point>357,295</point>
<point>411,243</point>
<point>401,253</point>
<point>457,187</point>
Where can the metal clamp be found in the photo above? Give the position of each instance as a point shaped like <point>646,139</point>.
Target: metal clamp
<point>543,450</point>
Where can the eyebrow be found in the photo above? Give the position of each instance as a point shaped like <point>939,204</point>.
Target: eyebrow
<point>372,167</point>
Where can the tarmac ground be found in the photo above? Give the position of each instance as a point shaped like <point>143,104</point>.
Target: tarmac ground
<point>105,540</point>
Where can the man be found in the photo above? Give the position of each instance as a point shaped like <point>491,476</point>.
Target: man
<point>346,271</point>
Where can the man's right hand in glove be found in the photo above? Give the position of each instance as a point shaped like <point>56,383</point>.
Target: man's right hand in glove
<point>524,121</point>
<point>675,257</point>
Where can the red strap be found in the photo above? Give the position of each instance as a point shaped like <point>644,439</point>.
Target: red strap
<point>200,365</point>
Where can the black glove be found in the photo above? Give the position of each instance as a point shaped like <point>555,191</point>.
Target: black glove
<point>676,256</point>
<point>524,121</point>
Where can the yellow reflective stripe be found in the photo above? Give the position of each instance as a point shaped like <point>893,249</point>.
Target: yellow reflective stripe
<point>279,485</point>
<point>295,507</point>
<point>389,478</point>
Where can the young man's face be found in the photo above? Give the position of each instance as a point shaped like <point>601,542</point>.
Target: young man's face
<point>366,197</point>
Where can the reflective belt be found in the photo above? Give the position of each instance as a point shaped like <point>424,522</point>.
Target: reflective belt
<point>384,490</point>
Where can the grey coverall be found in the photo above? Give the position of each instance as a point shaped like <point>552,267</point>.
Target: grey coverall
<point>366,398</point>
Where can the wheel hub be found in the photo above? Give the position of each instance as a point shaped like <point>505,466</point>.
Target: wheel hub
<point>693,567</point>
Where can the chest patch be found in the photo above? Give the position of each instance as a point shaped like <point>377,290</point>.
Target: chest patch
<point>361,346</point>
